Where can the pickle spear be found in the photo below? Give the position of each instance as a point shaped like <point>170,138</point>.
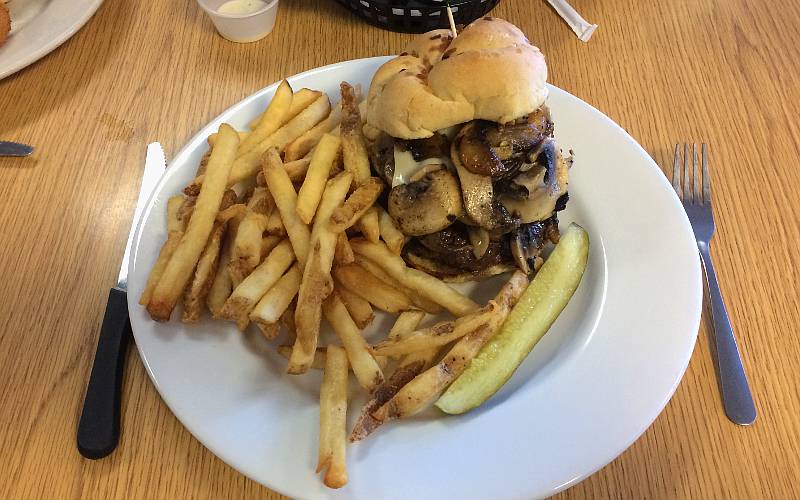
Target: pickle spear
<point>537,309</point>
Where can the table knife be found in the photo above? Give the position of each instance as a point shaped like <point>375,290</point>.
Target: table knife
<point>14,149</point>
<point>98,429</point>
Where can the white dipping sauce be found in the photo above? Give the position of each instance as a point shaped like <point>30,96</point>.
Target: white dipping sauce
<point>241,6</point>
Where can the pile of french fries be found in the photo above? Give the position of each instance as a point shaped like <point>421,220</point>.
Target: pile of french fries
<point>280,228</point>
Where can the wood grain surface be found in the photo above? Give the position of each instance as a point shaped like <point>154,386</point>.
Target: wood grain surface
<point>721,72</point>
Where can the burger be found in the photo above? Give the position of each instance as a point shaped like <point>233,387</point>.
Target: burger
<point>460,133</point>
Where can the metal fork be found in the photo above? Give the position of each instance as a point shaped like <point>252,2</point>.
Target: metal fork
<point>736,396</point>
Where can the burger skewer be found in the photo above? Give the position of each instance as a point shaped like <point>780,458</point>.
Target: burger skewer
<point>452,21</point>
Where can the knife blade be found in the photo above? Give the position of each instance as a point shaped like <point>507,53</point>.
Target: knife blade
<point>8,148</point>
<point>98,428</point>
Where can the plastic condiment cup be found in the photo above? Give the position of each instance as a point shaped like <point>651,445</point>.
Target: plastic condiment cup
<point>242,28</point>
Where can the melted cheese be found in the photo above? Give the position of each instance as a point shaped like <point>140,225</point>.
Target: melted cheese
<point>540,202</point>
<point>406,167</point>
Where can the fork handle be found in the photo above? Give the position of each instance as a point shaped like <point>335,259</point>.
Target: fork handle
<point>736,396</point>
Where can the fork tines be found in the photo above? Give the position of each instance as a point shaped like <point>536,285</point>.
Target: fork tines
<point>686,179</point>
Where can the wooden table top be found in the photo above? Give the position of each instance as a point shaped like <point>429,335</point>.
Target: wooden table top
<point>721,72</point>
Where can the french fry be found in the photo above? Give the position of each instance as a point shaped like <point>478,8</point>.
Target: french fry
<point>179,269</point>
<point>365,367</point>
<point>197,291</point>
<point>308,141</point>
<point>333,418</point>
<point>437,335</point>
<point>354,149</point>
<point>310,193</point>
<point>246,187</point>
<point>175,228</point>
<point>286,200</point>
<point>418,300</point>
<point>248,164</point>
<point>343,254</point>
<point>369,226</point>
<point>300,100</point>
<point>394,238</point>
<point>220,289</point>
<point>245,296</point>
<point>226,207</point>
<point>167,249</point>
<point>229,198</point>
<point>416,361</point>
<point>269,330</point>
<point>275,225</point>
<point>247,246</point>
<point>246,254</point>
<point>271,120</point>
<point>357,204</point>
<point>276,301</point>
<point>201,168</point>
<point>354,155</point>
<point>174,221</point>
<point>296,170</point>
<point>426,387</point>
<point>357,280</point>
<point>360,310</point>
<point>212,139</point>
<point>193,189</point>
<point>317,283</point>
<point>187,208</point>
<point>267,244</point>
<point>366,423</point>
<point>223,284</point>
<point>287,319</point>
<point>417,281</point>
<point>378,272</point>
<point>261,201</point>
<point>338,166</point>
<point>319,356</point>
<point>233,211</point>
<point>406,323</point>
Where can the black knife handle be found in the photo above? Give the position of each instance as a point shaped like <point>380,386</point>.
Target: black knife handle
<point>98,429</point>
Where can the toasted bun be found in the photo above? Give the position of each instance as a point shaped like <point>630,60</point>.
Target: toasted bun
<point>5,22</point>
<point>490,72</point>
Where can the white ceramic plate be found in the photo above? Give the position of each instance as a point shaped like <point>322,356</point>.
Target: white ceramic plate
<point>38,27</point>
<point>594,383</point>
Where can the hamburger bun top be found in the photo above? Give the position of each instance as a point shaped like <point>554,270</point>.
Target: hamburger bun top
<point>490,72</point>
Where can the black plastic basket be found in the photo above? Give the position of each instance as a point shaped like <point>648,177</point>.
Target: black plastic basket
<point>418,16</point>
